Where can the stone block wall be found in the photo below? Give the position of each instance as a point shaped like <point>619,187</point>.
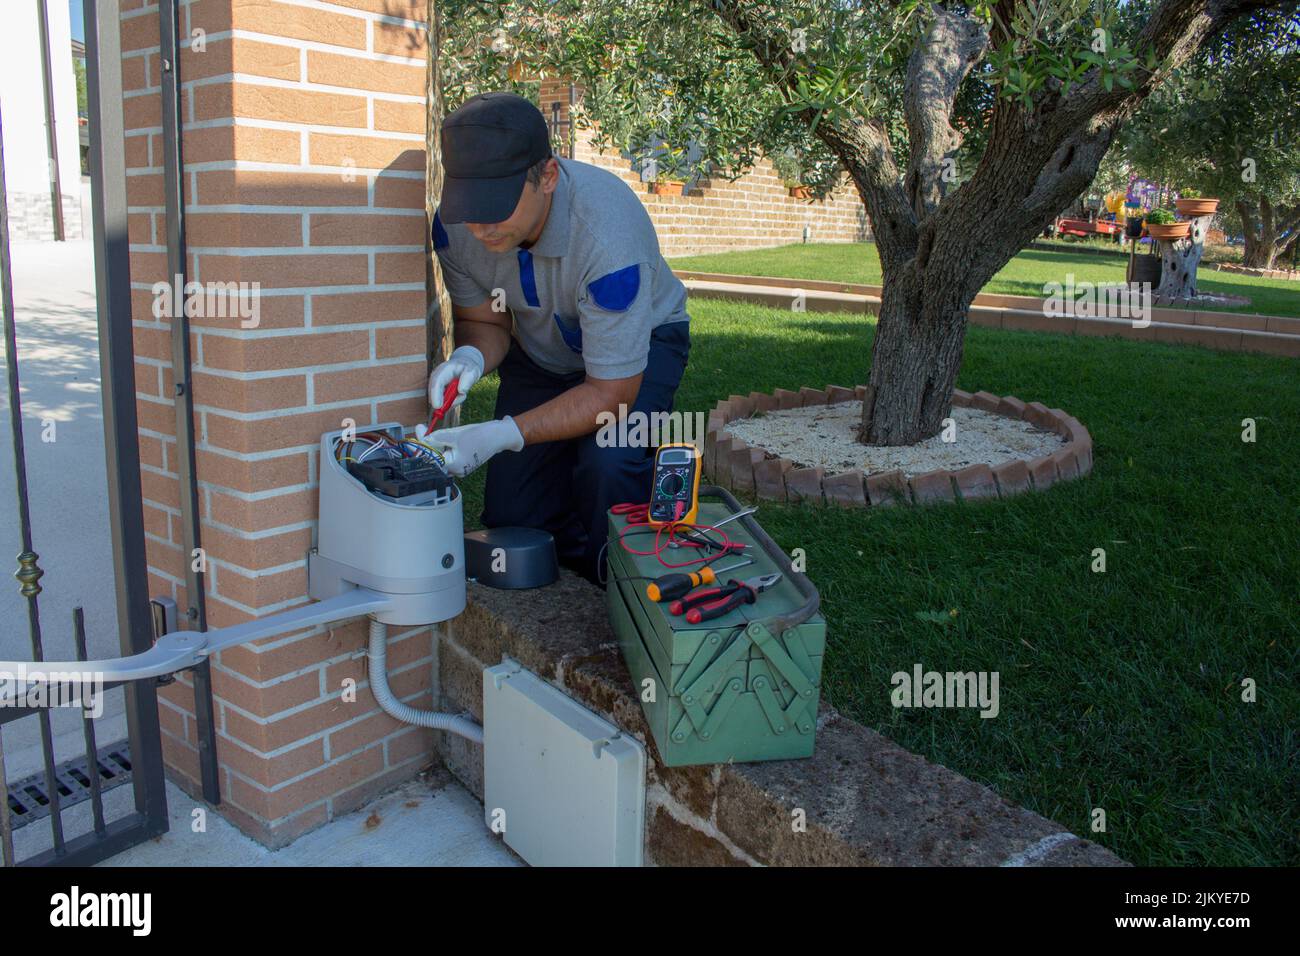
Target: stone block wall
<point>754,212</point>
<point>860,800</point>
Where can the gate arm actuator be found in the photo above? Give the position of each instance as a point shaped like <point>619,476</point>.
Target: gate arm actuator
<point>184,649</point>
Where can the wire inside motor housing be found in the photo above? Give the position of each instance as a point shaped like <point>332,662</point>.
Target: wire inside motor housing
<point>394,468</point>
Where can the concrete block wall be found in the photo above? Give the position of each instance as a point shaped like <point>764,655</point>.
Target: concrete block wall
<point>22,102</point>
<point>756,211</point>
<point>30,216</point>
<point>303,141</point>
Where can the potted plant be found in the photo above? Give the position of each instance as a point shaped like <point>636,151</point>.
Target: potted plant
<point>1133,220</point>
<point>1192,204</point>
<point>788,168</point>
<point>1162,224</point>
<point>665,185</point>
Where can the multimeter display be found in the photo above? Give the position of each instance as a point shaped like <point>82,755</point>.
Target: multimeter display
<point>675,494</point>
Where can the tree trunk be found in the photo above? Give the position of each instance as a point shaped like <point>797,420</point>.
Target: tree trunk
<point>1179,260</point>
<point>914,359</point>
<point>1261,235</point>
<point>1249,226</point>
<point>1261,256</point>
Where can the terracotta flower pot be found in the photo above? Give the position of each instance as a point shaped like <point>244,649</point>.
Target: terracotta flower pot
<point>667,188</point>
<point>1173,230</point>
<point>800,192</point>
<point>1196,207</point>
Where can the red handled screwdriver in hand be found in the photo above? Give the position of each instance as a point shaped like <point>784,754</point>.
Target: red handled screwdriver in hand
<point>448,397</point>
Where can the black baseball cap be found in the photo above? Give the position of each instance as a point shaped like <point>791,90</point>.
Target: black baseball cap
<point>488,145</point>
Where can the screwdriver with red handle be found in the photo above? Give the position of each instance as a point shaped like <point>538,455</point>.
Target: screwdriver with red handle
<point>448,398</point>
<point>715,602</point>
<point>666,587</point>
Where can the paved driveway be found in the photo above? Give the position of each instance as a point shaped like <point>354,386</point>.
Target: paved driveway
<point>58,361</point>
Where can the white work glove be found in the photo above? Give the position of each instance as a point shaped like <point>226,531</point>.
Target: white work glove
<point>466,447</point>
<point>465,363</point>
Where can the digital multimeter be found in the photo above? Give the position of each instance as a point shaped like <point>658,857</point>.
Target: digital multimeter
<point>675,494</point>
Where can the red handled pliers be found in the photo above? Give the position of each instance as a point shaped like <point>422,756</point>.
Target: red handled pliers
<point>448,397</point>
<point>709,603</point>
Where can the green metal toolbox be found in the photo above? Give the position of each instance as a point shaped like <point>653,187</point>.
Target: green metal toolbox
<point>741,687</point>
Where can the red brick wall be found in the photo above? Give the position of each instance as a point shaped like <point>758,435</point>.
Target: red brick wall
<point>754,212</point>
<point>304,171</point>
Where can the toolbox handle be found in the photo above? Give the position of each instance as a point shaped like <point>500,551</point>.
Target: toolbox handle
<point>812,601</point>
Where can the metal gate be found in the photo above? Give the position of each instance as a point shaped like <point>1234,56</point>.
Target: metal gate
<point>59,786</point>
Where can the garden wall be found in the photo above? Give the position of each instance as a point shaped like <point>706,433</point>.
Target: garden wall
<point>860,800</point>
<point>754,212</point>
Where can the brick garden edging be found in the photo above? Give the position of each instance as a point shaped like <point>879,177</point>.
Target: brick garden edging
<point>734,464</point>
<point>868,801</point>
<point>1290,274</point>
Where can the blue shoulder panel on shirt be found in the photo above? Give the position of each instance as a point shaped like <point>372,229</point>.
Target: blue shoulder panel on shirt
<point>440,238</point>
<point>616,291</point>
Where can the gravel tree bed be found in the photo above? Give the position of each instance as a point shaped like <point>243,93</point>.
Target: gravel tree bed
<point>823,436</point>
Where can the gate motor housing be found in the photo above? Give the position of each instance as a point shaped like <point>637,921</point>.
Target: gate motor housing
<point>391,521</point>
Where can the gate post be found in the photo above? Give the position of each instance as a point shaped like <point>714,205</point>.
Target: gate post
<point>304,156</point>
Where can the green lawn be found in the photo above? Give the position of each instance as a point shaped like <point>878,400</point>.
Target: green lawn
<point>1023,275</point>
<point>1118,690</point>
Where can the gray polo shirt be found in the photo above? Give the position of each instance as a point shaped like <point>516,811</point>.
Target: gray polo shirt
<point>592,287</point>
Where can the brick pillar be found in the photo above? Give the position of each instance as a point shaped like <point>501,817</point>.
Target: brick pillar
<point>304,172</point>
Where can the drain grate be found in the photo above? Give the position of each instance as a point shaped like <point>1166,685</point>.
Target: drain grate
<point>29,799</point>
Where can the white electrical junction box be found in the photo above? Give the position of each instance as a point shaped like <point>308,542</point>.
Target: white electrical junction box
<point>564,786</point>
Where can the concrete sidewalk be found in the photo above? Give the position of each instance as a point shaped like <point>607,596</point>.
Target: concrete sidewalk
<point>431,821</point>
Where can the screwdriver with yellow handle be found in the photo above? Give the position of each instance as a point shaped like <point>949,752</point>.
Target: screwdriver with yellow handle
<point>669,587</point>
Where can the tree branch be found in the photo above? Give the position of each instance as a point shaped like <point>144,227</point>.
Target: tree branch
<point>940,61</point>
<point>862,145</point>
<point>1175,31</point>
<point>1289,224</point>
<point>1266,218</point>
<point>1037,163</point>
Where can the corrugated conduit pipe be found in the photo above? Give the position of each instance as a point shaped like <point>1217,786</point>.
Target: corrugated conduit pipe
<point>389,704</point>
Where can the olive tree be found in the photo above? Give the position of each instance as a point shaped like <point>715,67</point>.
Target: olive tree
<point>964,127</point>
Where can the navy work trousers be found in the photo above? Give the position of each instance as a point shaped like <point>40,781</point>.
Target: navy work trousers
<point>566,487</point>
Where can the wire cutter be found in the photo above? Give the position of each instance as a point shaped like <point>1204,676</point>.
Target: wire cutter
<point>714,602</point>
<point>448,397</point>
